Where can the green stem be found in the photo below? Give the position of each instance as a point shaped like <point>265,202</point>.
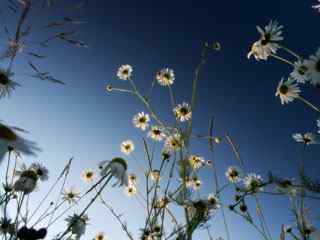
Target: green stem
<point>308,103</point>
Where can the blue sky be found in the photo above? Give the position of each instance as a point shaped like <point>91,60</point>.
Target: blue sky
<point>83,121</point>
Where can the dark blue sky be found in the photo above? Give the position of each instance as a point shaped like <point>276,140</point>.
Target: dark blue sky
<point>81,120</point>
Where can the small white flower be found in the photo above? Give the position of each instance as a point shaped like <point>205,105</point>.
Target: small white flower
<point>117,167</point>
<point>10,138</point>
<point>268,42</point>
<point>234,174</point>
<point>6,84</point>
<point>196,162</point>
<point>155,175</point>
<point>156,133</point>
<point>132,179</point>
<point>131,190</point>
<point>300,72</point>
<point>41,170</point>
<point>125,72</point>
<point>183,112</point>
<point>196,184</point>
<point>307,138</point>
<point>127,147</point>
<point>317,7</point>
<point>173,143</point>
<point>287,91</point>
<point>141,120</point>
<point>100,236</point>
<point>88,176</point>
<point>165,77</point>
<point>313,64</point>
<point>71,195</point>
<point>252,182</point>
<point>214,201</point>
<point>77,224</point>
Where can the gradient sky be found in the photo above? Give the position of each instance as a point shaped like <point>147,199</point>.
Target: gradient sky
<point>83,121</point>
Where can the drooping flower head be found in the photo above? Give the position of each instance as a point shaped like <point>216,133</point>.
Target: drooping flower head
<point>117,167</point>
<point>10,138</point>
<point>6,84</point>
<point>306,138</point>
<point>27,181</point>
<point>183,112</point>
<point>269,40</point>
<point>165,77</point>
<point>125,72</point>
<point>287,91</point>
<point>141,120</point>
<point>313,65</point>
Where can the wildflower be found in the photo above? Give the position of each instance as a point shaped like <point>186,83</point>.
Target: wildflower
<point>286,186</point>
<point>127,147</point>
<point>317,7</point>
<point>213,201</point>
<point>173,143</point>
<point>313,64</point>
<point>196,162</point>
<point>233,174</point>
<point>287,91</point>
<point>252,182</point>
<point>132,178</point>
<point>300,72</point>
<point>183,112</point>
<point>156,133</point>
<point>307,138</point>
<point>88,176</point>
<point>6,84</point>
<point>131,190</point>
<point>209,163</point>
<point>10,139</point>
<point>268,42</point>
<point>100,236</point>
<point>6,226</point>
<point>125,72</point>
<point>196,183</point>
<point>117,167</point>
<point>109,88</point>
<point>162,202</point>
<point>165,77</point>
<point>77,224</point>
<point>42,171</point>
<point>71,195</point>
<point>165,155</point>
<point>27,181</point>
<point>141,120</point>
<point>155,175</point>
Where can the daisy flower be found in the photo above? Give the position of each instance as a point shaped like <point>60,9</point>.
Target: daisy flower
<point>131,191</point>
<point>183,112</point>
<point>268,42</point>
<point>10,138</point>
<point>252,182</point>
<point>300,72</point>
<point>6,84</point>
<point>156,133</point>
<point>307,138</point>
<point>155,175</point>
<point>233,174</point>
<point>173,143</point>
<point>213,201</point>
<point>71,195</point>
<point>165,77</point>
<point>117,167</point>
<point>77,224</point>
<point>196,162</point>
<point>313,64</point>
<point>141,120</point>
<point>196,183</point>
<point>125,72</point>
<point>287,91</point>
<point>27,181</point>
<point>132,178</point>
<point>88,176</point>
<point>100,236</point>
<point>317,6</point>
<point>41,170</point>
<point>127,147</point>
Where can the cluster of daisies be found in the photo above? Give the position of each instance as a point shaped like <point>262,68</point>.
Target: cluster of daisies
<point>304,70</point>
